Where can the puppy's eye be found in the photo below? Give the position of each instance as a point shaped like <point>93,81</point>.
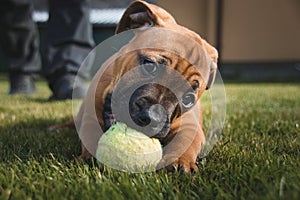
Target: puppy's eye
<point>196,85</point>
<point>188,100</point>
<point>149,66</point>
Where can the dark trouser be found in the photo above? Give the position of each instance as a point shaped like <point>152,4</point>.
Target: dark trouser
<point>19,37</point>
<point>69,37</point>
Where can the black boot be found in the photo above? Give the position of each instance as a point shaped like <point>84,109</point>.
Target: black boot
<point>65,88</point>
<point>22,84</point>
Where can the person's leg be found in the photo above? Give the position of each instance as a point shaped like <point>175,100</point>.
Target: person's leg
<point>20,43</point>
<point>70,40</point>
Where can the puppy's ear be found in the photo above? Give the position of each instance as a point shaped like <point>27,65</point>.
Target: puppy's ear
<point>142,14</point>
<point>212,74</point>
<point>213,53</point>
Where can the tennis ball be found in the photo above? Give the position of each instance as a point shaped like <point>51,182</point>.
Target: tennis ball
<point>126,149</point>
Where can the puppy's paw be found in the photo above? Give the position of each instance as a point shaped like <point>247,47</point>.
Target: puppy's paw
<point>85,155</point>
<point>184,166</point>
<point>69,125</point>
<point>181,164</point>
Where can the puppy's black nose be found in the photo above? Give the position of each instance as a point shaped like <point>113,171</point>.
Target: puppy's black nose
<point>143,118</point>
<point>155,115</point>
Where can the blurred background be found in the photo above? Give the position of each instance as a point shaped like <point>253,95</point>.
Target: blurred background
<point>258,40</point>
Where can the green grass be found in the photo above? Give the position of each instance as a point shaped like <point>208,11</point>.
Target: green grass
<point>258,156</point>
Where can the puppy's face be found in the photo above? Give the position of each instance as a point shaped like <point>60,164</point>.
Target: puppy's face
<point>153,86</point>
<point>157,86</point>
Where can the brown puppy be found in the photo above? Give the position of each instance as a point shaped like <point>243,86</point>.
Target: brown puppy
<point>177,121</point>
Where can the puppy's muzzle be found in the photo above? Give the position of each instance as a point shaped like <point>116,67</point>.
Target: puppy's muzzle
<point>154,119</point>
<point>154,115</point>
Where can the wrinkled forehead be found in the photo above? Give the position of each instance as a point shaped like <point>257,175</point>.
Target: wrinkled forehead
<point>176,43</point>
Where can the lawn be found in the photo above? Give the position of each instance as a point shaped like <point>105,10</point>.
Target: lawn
<point>257,157</point>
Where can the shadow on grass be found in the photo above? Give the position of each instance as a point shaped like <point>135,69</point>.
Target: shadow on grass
<point>47,100</point>
<point>41,100</point>
<point>32,139</point>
